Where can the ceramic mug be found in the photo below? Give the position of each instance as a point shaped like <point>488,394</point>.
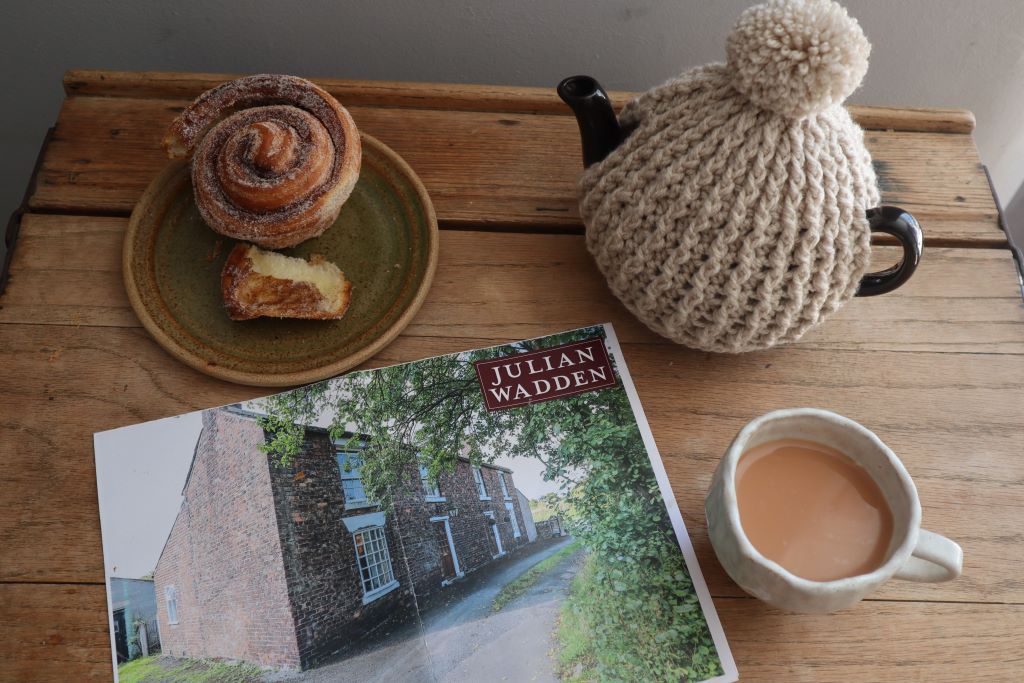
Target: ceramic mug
<point>914,553</point>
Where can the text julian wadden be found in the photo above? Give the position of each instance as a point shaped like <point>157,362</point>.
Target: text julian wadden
<point>544,375</point>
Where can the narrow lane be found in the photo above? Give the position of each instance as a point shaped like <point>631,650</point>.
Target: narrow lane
<point>461,639</point>
<point>514,644</point>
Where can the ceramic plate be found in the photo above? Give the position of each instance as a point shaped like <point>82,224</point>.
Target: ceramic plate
<point>385,240</point>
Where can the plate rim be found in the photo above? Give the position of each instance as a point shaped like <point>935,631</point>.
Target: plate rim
<point>271,379</point>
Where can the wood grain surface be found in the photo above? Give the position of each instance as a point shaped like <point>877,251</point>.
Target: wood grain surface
<point>456,97</point>
<point>849,647</point>
<point>71,382</point>
<point>484,168</point>
<point>508,285</point>
<point>936,368</point>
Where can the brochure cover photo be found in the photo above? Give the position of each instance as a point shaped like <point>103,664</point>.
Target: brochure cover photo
<point>496,514</point>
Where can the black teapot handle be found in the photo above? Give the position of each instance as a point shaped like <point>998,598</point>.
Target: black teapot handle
<point>894,221</point>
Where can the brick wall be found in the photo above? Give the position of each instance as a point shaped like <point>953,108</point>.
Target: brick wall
<point>500,505</point>
<point>550,527</point>
<point>324,583</point>
<point>175,569</point>
<point>470,528</point>
<point>417,536</point>
<point>266,567</point>
<point>224,556</point>
<point>497,505</point>
<point>421,538</point>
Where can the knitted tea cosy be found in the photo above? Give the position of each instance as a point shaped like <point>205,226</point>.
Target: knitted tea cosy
<point>732,216</point>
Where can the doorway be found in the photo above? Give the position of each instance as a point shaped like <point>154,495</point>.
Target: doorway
<point>512,517</point>
<point>120,636</point>
<point>450,569</point>
<point>497,550</point>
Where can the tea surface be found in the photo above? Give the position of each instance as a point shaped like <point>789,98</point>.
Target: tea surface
<point>812,509</point>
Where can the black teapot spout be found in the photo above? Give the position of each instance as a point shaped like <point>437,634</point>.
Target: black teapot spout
<point>599,129</point>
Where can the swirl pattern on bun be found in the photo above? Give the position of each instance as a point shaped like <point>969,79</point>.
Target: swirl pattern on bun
<point>273,158</point>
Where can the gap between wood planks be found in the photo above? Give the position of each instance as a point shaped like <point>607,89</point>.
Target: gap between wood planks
<point>961,300</point>
<point>819,347</point>
<point>997,241</point>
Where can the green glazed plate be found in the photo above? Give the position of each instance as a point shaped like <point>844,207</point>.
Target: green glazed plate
<point>385,241</point>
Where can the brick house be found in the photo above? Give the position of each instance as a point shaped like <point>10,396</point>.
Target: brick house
<point>287,566</point>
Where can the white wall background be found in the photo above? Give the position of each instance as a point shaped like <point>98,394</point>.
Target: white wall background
<point>939,53</point>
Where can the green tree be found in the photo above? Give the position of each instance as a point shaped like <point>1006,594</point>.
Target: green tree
<point>551,499</point>
<point>432,410</point>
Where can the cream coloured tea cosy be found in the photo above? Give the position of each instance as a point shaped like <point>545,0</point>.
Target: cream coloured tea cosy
<point>732,216</point>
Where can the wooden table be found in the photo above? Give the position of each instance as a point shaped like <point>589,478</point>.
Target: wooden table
<point>936,369</point>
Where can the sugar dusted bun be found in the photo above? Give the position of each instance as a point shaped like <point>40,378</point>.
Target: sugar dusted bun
<point>273,158</point>
<point>258,283</point>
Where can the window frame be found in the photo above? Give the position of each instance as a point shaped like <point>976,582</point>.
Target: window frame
<point>365,575</point>
<point>431,489</point>
<point>354,474</point>
<point>171,598</point>
<point>481,485</point>
<point>504,486</point>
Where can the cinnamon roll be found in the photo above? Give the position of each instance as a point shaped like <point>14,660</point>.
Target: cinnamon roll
<point>273,158</point>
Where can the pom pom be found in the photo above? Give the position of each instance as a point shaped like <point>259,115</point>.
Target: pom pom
<point>797,57</point>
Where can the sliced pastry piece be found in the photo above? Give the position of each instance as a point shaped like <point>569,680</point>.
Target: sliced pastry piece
<point>258,283</point>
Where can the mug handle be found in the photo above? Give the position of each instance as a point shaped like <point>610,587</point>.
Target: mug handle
<point>894,221</point>
<point>935,559</point>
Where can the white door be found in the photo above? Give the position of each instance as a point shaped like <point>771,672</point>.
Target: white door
<point>512,516</point>
<point>497,538</point>
<point>494,530</point>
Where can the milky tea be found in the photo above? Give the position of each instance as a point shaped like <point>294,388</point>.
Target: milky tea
<point>812,509</point>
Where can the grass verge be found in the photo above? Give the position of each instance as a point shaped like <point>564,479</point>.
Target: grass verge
<point>174,670</point>
<point>522,583</point>
<point>577,661</point>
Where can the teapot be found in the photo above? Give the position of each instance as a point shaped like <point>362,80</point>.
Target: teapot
<point>730,209</point>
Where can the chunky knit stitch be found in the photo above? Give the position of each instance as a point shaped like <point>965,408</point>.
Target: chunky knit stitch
<point>732,216</point>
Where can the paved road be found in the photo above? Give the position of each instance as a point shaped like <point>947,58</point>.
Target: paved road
<point>463,641</point>
<point>469,643</point>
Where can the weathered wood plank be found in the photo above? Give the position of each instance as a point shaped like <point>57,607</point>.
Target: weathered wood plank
<point>456,97</point>
<point>504,285</point>
<point>876,641</point>
<point>59,633</point>
<point>484,168</point>
<point>947,415</point>
<point>54,633</point>
<point>932,175</point>
<point>941,231</point>
<point>934,369</point>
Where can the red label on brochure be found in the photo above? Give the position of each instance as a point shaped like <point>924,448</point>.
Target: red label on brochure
<point>545,375</point>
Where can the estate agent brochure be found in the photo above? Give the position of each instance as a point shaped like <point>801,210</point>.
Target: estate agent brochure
<point>496,514</point>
